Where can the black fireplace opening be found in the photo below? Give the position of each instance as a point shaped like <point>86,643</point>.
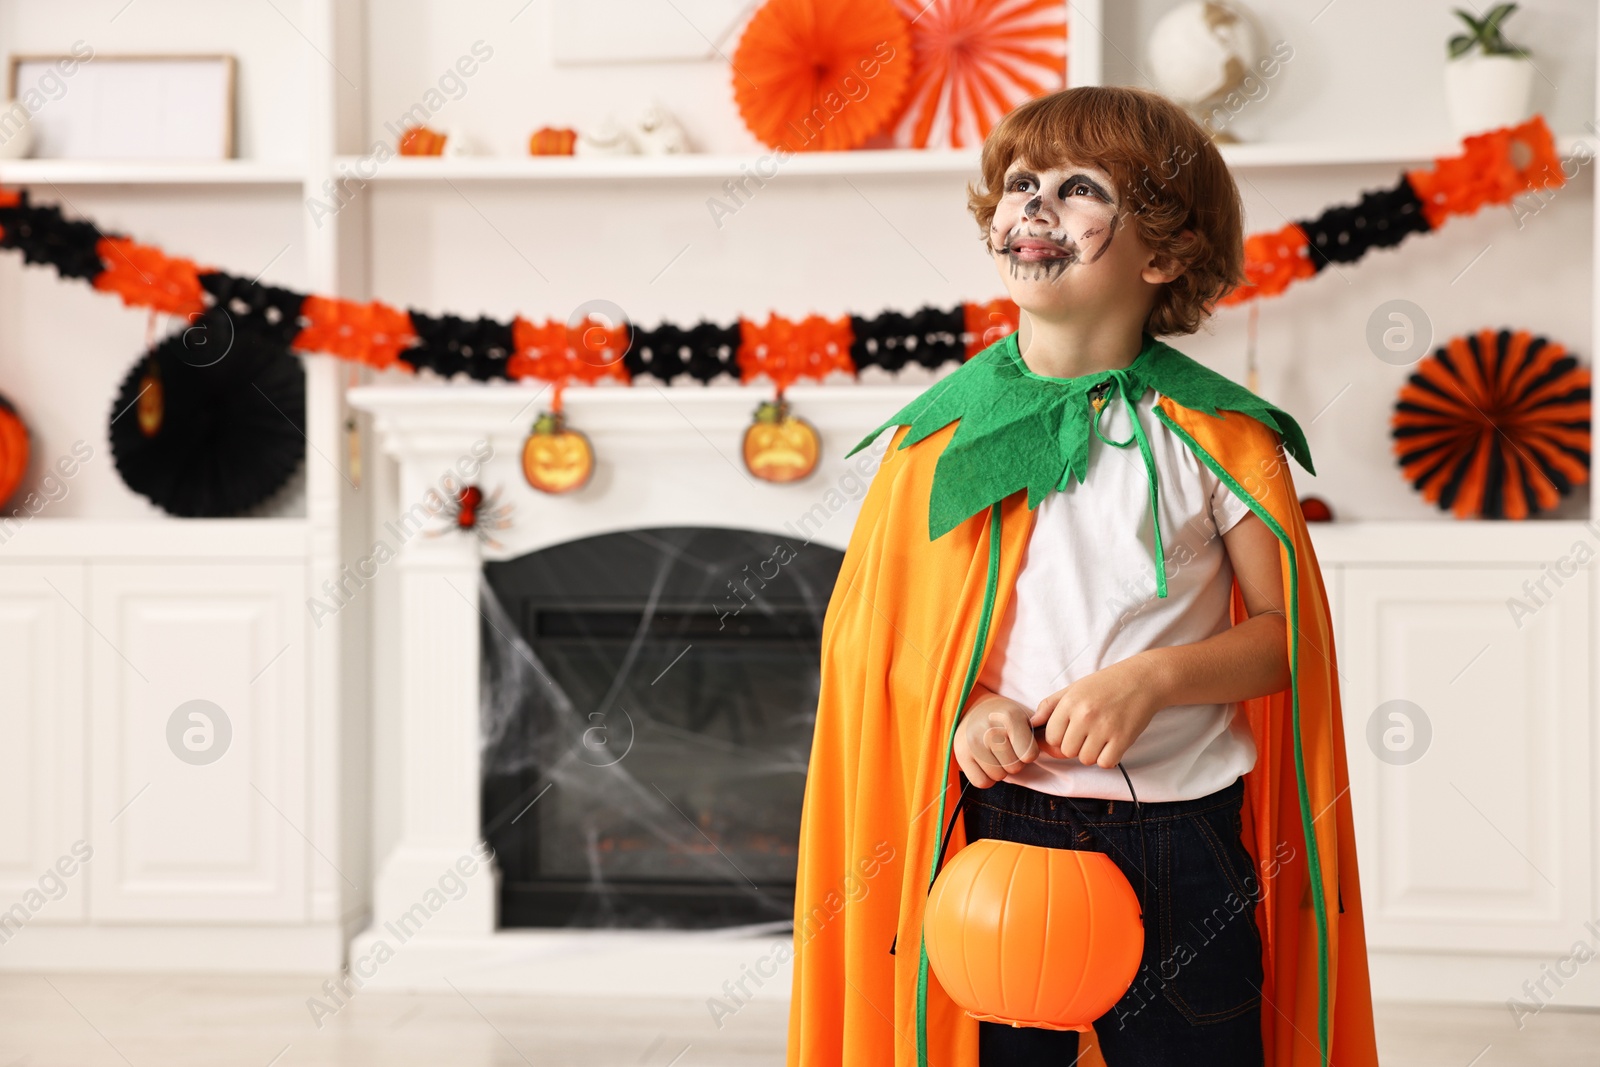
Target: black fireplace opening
<point>648,704</point>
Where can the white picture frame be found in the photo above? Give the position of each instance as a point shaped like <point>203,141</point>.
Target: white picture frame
<point>126,107</point>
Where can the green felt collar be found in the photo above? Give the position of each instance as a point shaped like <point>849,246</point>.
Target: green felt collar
<point>1022,430</point>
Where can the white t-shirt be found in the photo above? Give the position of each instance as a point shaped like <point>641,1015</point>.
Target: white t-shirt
<point>1085,598</point>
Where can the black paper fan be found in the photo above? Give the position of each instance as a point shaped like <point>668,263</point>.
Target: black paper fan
<point>210,422</point>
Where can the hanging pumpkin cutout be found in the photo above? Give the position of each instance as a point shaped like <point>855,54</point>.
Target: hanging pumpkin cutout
<point>556,459</point>
<point>14,450</point>
<point>152,402</point>
<point>1033,936</point>
<point>779,446</point>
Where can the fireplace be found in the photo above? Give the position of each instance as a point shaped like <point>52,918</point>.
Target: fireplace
<point>587,903</point>
<point>648,699</point>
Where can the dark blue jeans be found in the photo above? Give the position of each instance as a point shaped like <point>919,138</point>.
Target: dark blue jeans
<point>1196,1000</point>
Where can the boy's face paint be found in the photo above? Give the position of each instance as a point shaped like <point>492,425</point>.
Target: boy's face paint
<point>1050,220</point>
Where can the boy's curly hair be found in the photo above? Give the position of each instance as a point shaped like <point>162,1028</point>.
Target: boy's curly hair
<point>1169,175</point>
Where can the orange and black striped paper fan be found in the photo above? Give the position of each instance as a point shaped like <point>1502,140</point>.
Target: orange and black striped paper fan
<point>1494,425</point>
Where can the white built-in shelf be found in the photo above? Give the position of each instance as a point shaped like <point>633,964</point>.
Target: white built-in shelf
<point>1445,541</point>
<point>687,165</point>
<point>1361,153</point>
<point>865,163</point>
<point>157,537</point>
<point>149,172</point>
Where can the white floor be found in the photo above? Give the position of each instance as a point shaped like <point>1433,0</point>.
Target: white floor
<point>134,1021</point>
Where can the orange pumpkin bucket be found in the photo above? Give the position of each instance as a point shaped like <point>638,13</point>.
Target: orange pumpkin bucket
<point>1033,936</point>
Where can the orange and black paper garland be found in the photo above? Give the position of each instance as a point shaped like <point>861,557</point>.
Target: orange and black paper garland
<point>1493,167</point>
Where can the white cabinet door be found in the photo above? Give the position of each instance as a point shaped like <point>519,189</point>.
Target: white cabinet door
<point>1483,842</point>
<point>41,761</point>
<point>200,784</point>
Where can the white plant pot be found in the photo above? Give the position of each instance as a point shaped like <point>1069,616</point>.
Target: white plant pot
<point>16,131</point>
<point>1487,92</point>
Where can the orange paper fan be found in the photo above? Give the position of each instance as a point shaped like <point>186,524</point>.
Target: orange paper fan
<point>1494,425</point>
<point>975,60</point>
<point>813,75</point>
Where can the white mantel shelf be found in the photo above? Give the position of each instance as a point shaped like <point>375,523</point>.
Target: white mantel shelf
<point>899,162</point>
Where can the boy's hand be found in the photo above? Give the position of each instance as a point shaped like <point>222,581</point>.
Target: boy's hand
<point>995,739</point>
<point>1097,717</point>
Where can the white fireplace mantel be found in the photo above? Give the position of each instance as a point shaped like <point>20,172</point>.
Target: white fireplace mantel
<point>664,457</point>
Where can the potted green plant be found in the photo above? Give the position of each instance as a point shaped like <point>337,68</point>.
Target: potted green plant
<point>1488,80</point>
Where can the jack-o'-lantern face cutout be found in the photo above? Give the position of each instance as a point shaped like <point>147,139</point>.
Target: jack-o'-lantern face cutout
<point>554,458</point>
<point>780,447</point>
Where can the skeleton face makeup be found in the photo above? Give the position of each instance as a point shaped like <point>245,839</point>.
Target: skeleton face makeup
<point>1050,220</point>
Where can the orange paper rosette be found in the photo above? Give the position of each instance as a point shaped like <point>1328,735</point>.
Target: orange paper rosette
<point>558,353</point>
<point>785,350</point>
<point>987,323</point>
<point>1494,167</point>
<point>145,276</point>
<point>1273,261</point>
<point>374,334</point>
<point>813,75</point>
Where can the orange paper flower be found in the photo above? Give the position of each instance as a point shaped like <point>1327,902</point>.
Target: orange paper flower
<point>975,60</point>
<point>988,323</point>
<point>145,276</point>
<point>785,350</point>
<point>374,334</point>
<point>1488,171</point>
<point>558,353</point>
<point>814,75</point>
<point>1272,261</point>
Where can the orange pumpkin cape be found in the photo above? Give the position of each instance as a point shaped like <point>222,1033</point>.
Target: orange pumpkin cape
<point>928,571</point>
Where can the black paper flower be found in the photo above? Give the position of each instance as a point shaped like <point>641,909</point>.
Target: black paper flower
<point>448,345</point>
<point>44,236</point>
<point>264,310</point>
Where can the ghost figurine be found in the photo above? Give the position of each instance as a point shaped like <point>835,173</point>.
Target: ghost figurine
<point>610,138</point>
<point>659,133</point>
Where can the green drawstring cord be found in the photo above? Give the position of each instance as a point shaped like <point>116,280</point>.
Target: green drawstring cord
<point>1122,381</point>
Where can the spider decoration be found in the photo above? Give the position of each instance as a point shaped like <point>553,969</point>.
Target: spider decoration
<point>469,509</point>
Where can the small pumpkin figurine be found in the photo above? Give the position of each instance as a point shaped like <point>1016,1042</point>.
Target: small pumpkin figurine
<point>556,459</point>
<point>421,141</point>
<point>779,446</point>
<point>14,450</point>
<point>552,141</point>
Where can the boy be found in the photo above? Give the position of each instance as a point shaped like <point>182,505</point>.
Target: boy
<point>1148,616</point>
